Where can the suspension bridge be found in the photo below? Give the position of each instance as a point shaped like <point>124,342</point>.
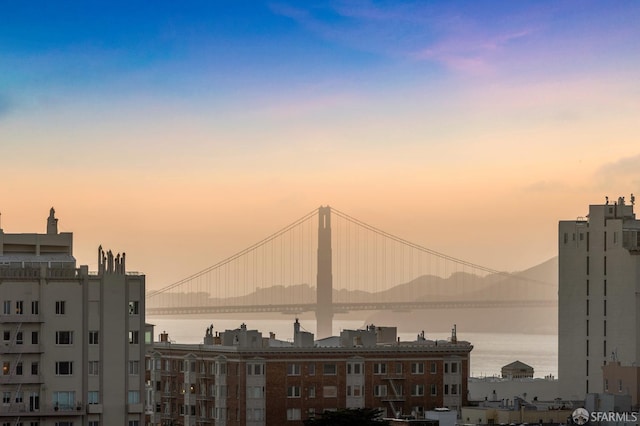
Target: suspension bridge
<point>329,262</point>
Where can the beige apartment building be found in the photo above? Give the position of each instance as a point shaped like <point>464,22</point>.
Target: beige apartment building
<point>598,302</point>
<point>72,349</point>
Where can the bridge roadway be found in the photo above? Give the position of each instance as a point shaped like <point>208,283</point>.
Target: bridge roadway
<point>346,307</point>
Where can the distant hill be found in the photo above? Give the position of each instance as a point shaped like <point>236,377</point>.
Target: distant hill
<point>538,282</point>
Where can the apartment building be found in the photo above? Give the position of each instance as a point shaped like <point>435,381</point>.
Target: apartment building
<point>72,349</point>
<point>239,377</point>
<point>598,305</point>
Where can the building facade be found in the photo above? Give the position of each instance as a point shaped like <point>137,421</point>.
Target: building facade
<point>622,380</point>
<point>73,341</point>
<point>598,302</point>
<point>238,377</point>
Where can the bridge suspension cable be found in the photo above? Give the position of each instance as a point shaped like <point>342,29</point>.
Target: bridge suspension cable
<point>236,256</point>
<point>430,251</point>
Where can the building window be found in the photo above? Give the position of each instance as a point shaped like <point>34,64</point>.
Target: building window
<point>379,368</point>
<point>605,287</point>
<point>134,368</point>
<point>417,390</point>
<point>6,368</point>
<point>255,392</point>
<point>311,369</point>
<point>446,389</point>
<point>64,368</point>
<point>293,414</point>
<point>19,338</point>
<point>137,422</point>
<point>255,369</point>
<point>329,370</point>
<point>93,337</point>
<point>398,368</point>
<point>380,390</point>
<point>35,368</point>
<point>605,328</point>
<point>19,369</point>
<point>454,389</point>
<point>6,336</point>
<point>94,423</point>
<point>293,391</point>
<point>34,337</point>
<point>93,397</point>
<point>134,307</point>
<point>64,337</point>
<point>134,337</point>
<point>312,391</point>
<point>330,391</point>
<point>134,397</point>
<point>587,265</point>
<point>454,367</point>
<point>6,397</point>
<point>354,390</point>
<point>293,369</point>
<point>354,368</point>
<point>65,400</point>
<point>35,307</point>
<point>94,368</point>
<point>417,368</point>
<point>60,307</point>
<point>605,348</point>
<point>434,390</point>
<point>19,307</point>
<point>605,307</point>
<point>6,307</point>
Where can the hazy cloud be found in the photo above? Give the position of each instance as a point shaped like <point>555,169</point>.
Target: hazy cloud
<point>624,173</point>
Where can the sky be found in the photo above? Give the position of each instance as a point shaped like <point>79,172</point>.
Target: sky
<point>184,133</point>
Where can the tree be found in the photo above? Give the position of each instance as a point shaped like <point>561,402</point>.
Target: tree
<point>348,417</point>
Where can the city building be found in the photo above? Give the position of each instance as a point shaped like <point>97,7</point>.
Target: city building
<point>239,377</point>
<point>598,307</point>
<point>517,370</point>
<point>622,380</point>
<point>72,349</point>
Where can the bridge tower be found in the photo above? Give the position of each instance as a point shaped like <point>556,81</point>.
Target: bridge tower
<point>324,283</point>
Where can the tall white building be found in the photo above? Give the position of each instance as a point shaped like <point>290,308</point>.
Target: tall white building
<point>72,350</point>
<point>599,295</point>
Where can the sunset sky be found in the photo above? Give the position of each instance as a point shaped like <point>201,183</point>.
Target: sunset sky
<point>183,133</point>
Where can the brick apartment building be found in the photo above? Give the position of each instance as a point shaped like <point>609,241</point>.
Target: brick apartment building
<point>237,377</point>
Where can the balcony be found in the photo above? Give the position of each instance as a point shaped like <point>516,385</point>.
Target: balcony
<point>13,348</point>
<point>24,410</point>
<point>21,379</point>
<point>20,318</point>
